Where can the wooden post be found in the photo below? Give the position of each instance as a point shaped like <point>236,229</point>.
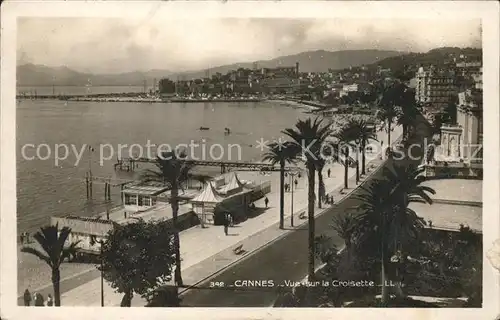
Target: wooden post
<point>105,191</point>
<point>121,192</point>
<point>109,191</point>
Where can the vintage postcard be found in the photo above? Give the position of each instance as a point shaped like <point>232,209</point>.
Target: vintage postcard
<point>267,160</point>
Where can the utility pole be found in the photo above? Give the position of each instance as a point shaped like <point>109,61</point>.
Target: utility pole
<point>102,277</point>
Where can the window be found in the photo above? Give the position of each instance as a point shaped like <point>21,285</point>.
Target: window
<point>130,199</point>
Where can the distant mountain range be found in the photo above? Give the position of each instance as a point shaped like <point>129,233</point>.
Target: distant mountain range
<point>311,61</point>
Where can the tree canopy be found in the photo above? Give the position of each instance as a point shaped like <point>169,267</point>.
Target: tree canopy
<point>138,256</point>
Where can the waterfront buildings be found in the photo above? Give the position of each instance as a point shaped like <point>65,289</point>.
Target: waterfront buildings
<point>435,88</point>
<point>281,72</point>
<point>459,149</point>
<point>149,201</point>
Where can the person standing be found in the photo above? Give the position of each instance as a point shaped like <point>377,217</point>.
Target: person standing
<point>50,302</point>
<point>266,201</point>
<point>226,226</point>
<point>230,219</point>
<point>27,298</point>
<point>296,183</point>
<point>328,172</point>
<point>39,300</point>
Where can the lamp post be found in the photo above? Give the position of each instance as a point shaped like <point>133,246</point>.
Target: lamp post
<point>102,275</point>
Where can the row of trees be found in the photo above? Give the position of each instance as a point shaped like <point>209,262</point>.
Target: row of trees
<point>394,105</point>
<point>382,229</point>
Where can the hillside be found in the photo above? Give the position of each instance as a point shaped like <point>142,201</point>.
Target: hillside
<point>438,57</point>
<point>312,61</point>
<point>39,75</point>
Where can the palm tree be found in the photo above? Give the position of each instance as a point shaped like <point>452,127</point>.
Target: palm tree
<point>173,172</point>
<point>329,151</point>
<point>310,135</point>
<point>362,134</point>
<point>346,138</point>
<point>281,153</point>
<point>345,226</point>
<point>385,213</point>
<point>374,207</point>
<point>53,252</point>
<point>366,133</point>
<point>320,164</point>
<point>409,110</point>
<point>388,103</point>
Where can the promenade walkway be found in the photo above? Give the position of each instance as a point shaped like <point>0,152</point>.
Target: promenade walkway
<point>207,251</point>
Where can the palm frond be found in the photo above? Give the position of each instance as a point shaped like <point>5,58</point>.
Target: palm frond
<point>38,254</point>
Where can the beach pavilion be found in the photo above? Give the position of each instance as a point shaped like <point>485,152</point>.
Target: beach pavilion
<point>233,198</point>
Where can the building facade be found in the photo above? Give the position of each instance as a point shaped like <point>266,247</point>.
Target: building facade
<point>435,88</point>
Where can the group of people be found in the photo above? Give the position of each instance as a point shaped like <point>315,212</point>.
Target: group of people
<point>37,299</point>
<point>328,199</point>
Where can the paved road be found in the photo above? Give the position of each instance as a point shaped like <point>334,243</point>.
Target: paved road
<point>284,259</point>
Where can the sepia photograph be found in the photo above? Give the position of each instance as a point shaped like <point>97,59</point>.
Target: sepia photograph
<point>232,158</point>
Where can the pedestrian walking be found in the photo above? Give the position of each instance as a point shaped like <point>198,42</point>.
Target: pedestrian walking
<point>296,183</point>
<point>230,219</point>
<point>266,201</point>
<point>27,298</point>
<point>226,226</point>
<point>328,172</point>
<point>299,175</point>
<point>50,302</point>
<point>21,237</point>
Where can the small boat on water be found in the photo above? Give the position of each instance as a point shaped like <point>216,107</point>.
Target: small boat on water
<point>204,128</point>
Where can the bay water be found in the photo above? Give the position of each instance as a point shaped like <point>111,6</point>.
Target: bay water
<point>48,188</point>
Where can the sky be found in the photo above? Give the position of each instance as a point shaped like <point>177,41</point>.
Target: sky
<point>114,45</point>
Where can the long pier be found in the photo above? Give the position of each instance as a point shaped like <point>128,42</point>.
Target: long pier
<point>130,164</point>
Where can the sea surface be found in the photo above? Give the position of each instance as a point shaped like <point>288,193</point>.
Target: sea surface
<point>46,188</point>
<point>76,90</point>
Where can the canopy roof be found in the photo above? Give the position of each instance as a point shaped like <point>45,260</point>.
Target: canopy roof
<point>208,195</point>
<point>234,184</point>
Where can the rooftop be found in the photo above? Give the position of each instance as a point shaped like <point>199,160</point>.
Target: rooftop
<point>85,225</point>
<point>468,190</point>
<point>145,190</point>
<point>450,216</point>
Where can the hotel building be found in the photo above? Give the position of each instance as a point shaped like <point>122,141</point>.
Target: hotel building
<point>435,88</point>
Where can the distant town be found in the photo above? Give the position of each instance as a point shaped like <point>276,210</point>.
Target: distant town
<point>428,205</point>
